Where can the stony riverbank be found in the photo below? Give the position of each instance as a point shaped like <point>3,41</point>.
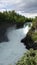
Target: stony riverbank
<point>31,39</point>
<point>29,42</point>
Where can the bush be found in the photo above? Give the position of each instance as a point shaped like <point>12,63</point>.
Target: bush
<point>29,58</point>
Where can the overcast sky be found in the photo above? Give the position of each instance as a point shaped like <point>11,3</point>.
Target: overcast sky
<point>25,6</point>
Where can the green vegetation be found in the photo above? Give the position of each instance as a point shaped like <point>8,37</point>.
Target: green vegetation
<point>33,31</point>
<point>12,17</point>
<point>34,36</point>
<point>29,58</point>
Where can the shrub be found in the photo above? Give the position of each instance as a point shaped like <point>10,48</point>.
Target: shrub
<point>29,58</point>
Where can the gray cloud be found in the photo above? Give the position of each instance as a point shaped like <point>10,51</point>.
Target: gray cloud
<point>27,6</point>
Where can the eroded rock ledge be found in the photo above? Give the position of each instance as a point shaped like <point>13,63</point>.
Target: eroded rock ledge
<point>29,42</point>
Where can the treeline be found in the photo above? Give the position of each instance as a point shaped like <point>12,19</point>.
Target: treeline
<point>13,17</point>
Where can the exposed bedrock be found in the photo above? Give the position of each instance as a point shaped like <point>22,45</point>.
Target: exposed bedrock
<point>29,42</point>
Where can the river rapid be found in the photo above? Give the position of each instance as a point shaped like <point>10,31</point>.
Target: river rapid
<point>12,51</point>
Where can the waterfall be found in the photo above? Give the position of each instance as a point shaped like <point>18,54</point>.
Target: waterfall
<point>11,51</point>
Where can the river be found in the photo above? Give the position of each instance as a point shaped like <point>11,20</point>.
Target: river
<point>11,51</point>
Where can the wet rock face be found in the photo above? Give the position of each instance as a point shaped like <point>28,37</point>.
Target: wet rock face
<point>35,46</point>
<point>29,42</point>
<point>3,36</point>
<point>3,28</point>
<point>19,25</point>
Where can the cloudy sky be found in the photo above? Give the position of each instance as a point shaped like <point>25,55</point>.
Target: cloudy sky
<point>24,6</point>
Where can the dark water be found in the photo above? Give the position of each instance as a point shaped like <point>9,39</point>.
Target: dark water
<point>11,51</point>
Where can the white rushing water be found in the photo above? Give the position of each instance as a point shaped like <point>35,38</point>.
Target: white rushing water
<point>11,51</point>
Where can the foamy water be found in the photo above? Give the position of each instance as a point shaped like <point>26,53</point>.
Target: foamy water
<point>11,51</point>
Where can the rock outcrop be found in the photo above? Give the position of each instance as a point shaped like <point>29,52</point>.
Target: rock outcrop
<point>29,42</point>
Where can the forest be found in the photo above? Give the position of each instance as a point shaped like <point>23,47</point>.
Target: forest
<point>13,18</point>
